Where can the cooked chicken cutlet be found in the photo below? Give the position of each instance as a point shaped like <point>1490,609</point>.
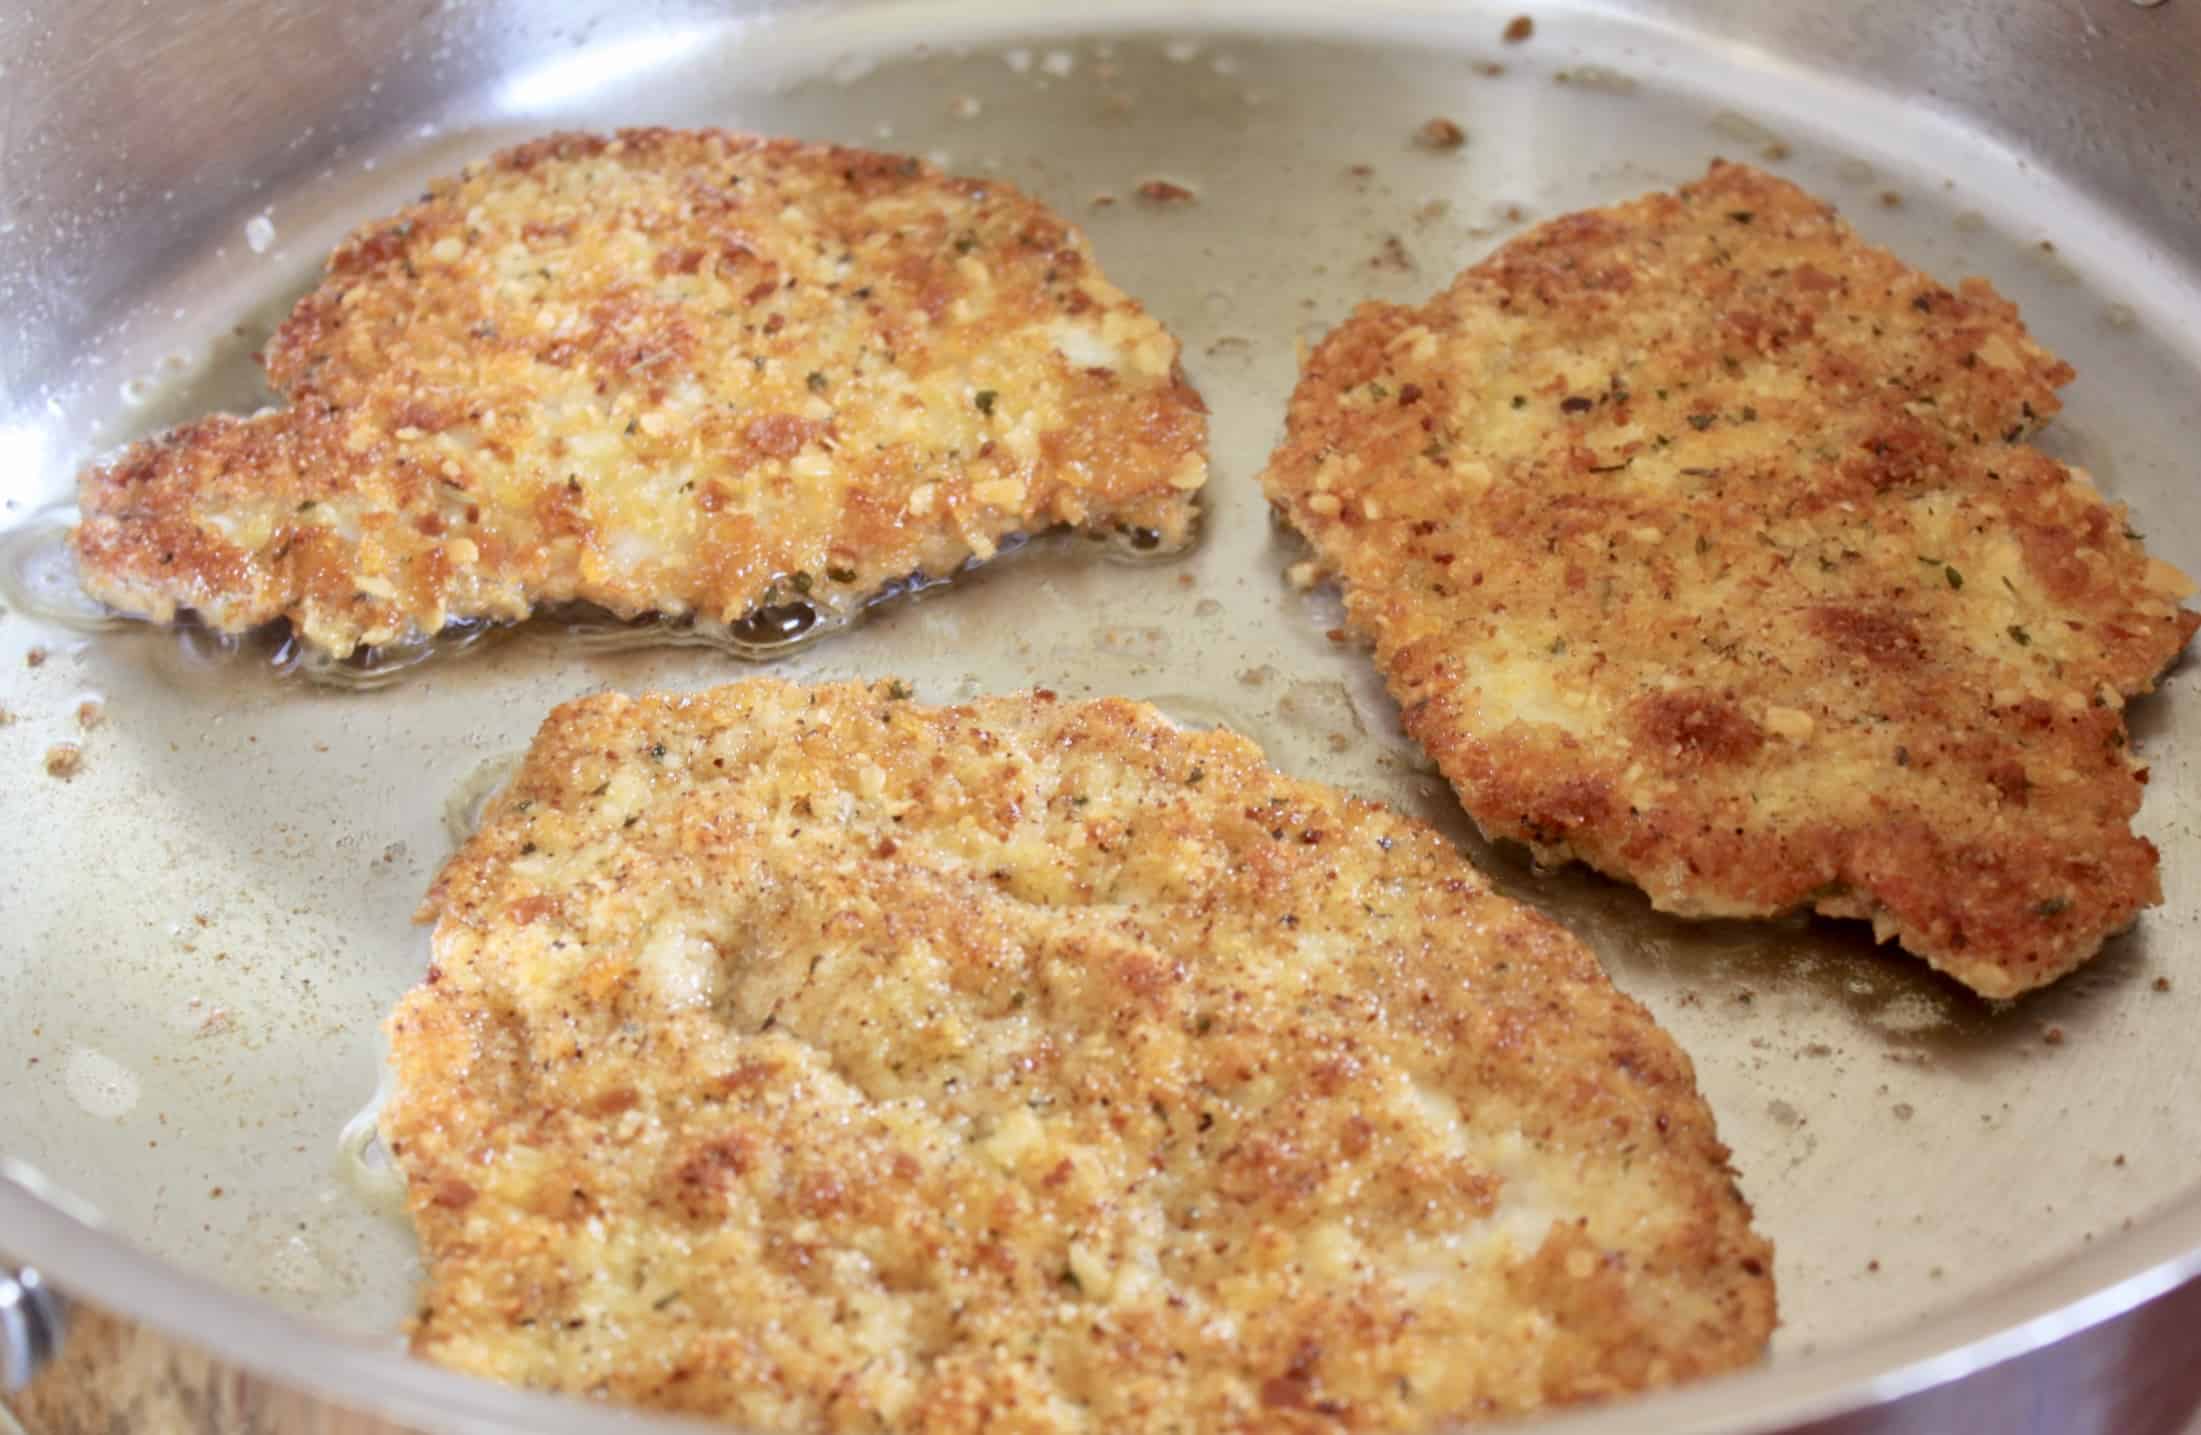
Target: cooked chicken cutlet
<point>1699,541</point>
<point>662,372</point>
<point>823,1061</point>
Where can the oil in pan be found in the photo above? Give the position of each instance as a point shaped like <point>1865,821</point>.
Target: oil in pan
<point>233,862</point>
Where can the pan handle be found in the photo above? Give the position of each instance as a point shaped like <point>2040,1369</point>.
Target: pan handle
<point>32,1320</point>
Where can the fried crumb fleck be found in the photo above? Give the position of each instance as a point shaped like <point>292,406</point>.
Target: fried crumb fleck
<point>1775,152</point>
<point>1519,28</point>
<point>1392,256</point>
<point>2053,1036</point>
<point>90,713</point>
<point>1439,133</point>
<point>1165,192</point>
<point>35,658</point>
<point>64,760</point>
<point>2162,984</point>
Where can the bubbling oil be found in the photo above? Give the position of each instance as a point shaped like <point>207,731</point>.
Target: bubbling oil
<point>362,1161</point>
<point>1138,547</point>
<point>38,578</point>
<point>464,810</point>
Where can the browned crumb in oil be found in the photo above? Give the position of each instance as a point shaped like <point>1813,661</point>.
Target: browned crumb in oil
<point>2053,1036</point>
<point>35,658</point>
<point>1775,152</point>
<point>1519,28</point>
<point>1163,191</point>
<point>1392,256</point>
<point>1890,199</point>
<point>1440,133</point>
<point>1489,69</point>
<point>90,713</point>
<point>2162,984</point>
<point>64,760</point>
<point>1103,200</point>
<point>6,717</point>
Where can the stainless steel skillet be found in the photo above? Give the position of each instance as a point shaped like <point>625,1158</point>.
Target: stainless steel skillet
<point>200,931</point>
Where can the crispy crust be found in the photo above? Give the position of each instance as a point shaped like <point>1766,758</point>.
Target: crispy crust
<point>1698,541</point>
<point>818,1060</point>
<point>666,371</point>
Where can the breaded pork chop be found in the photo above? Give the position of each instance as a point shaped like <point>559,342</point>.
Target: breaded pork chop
<point>1699,541</point>
<point>822,1061</point>
<point>663,372</point>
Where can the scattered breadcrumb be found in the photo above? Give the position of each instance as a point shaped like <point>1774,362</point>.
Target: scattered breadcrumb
<point>2162,984</point>
<point>35,658</point>
<point>1440,134</point>
<point>90,713</point>
<point>1392,256</point>
<point>1164,191</point>
<point>2053,1036</point>
<point>1519,28</point>
<point>64,760</point>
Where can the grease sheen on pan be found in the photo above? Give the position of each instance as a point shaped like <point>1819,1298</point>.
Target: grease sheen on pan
<point>672,372</point>
<point>819,1060</point>
<point>1699,541</point>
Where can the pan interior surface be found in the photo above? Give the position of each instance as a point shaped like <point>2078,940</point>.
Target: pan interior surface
<point>205,925</point>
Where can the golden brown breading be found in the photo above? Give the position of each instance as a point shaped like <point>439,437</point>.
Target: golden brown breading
<point>819,1060</point>
<point>664,372</point>
<point>1697,539</point>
